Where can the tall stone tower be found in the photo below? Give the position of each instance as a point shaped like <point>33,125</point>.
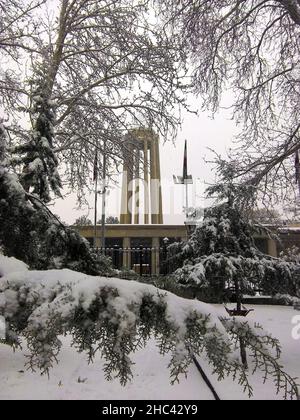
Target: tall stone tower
<point>141,168</point>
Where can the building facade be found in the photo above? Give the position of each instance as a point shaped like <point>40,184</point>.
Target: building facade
<point>129,239</point>
<point>139,241</point>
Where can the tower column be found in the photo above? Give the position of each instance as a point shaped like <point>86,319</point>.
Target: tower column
<point>127,193</point>
<point>155,256</point>
<point>141,142</point>
<point>126,253</point>
<point>146,183</point>
<point>160,209</point>
<point>156,196</point>
<point>124,196</point>
<point>153,189</point>
<point>130,186</point>
<point>137,187</point>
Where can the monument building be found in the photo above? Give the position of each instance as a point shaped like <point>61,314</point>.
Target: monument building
<point>139,241</point>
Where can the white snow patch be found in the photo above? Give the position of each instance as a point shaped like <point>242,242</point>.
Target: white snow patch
<point>11,265</point>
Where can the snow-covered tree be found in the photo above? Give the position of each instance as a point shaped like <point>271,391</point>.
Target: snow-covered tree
<point>15,24</point>
<point>30,232</point>
<point>103,68</point>
<point>291,254</point>
<point>221,255</point>
<point>266,216</point>
<point>250,48</point>
<point>114,318</point>
<point>73,76</point>
<point>112,220</point>
<point>83,221</point>
<point>40,172</point>
<point>3,148</point>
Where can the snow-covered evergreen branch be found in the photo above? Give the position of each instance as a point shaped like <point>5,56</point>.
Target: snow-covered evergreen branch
<point>115,317</point>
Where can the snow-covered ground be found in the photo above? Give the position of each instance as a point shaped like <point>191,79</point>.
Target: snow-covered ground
<point>73,378</point>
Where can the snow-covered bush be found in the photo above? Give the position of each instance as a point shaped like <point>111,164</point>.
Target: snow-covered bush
<point>126,274</point>
<point>115,317</point>
<point>221,253</point>
<point>291,254</point>
<point>286,300</point>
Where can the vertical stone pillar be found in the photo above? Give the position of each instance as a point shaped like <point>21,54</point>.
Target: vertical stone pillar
<point>127,193</point>
<point>126,253</point>
<point>137,187</point>
<point>160,209</point>
<point>141,141</point>
<point>124,196</point>
<point>272,247</point>
<point>155,186</point>
<point>155,256</point>
<point>146,183</point>
<point>98,239</point>
<point>129,185</point>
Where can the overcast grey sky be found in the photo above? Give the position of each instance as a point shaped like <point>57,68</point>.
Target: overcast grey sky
<point>201,132</point>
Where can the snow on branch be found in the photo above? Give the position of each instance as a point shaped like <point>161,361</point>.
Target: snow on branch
<point>115,317</point>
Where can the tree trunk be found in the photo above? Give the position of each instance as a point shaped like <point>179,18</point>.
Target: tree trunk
<point>243,353</point>
<point>239,308</point>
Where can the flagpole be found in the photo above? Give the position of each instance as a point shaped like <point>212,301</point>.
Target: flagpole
<point>186,199</point>
<point>103,198</point>
<point>185,179</point>
<point>95,216</point>
<point>96,196</point>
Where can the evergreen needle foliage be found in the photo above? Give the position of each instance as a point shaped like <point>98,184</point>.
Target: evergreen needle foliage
<point>221,253</point>
<point>26,220</point>
<point>113,318</point>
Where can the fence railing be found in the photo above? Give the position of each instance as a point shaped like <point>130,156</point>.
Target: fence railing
<point>144,261</point>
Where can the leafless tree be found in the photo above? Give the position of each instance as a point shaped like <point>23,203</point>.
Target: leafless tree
<point>17,28</point>
<point>15,24</point>
<point>266,216</point>
<point>251,48</point>
<point>103,67</point>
